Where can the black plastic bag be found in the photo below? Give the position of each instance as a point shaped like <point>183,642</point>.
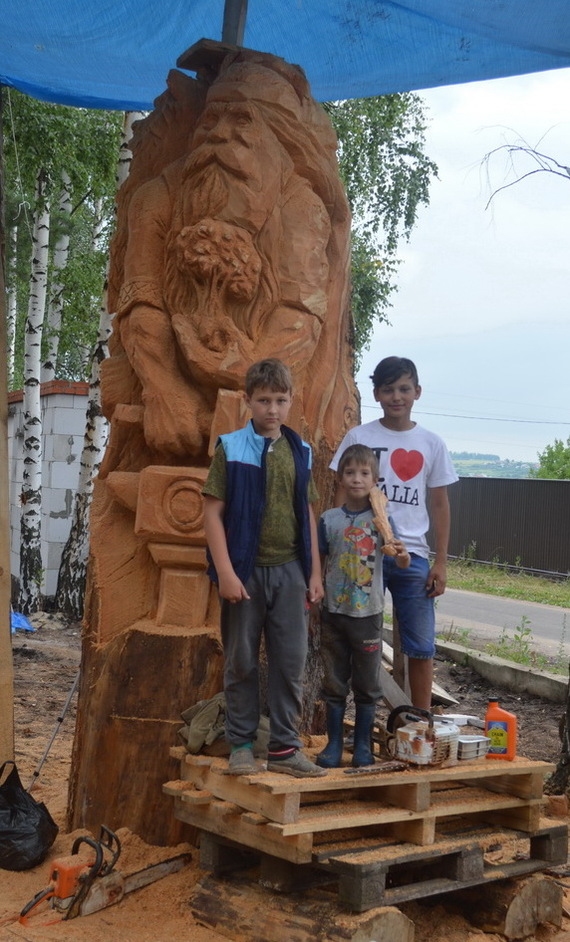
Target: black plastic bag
<point>27,830</point>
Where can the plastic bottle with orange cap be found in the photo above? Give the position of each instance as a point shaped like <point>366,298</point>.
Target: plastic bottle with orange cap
<point>501,729</point>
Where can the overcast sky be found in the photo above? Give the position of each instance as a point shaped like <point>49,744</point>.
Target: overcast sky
<point>484,294</point>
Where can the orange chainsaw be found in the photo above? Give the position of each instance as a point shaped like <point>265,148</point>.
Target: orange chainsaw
<point>83,883</point>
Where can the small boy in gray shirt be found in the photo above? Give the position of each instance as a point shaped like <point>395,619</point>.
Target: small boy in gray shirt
<point>351,635</point>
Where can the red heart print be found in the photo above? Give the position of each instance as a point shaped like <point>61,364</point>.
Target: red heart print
<point>406,464</point>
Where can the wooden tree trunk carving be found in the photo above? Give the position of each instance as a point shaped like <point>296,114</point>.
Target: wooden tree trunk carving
<point>232,244</point>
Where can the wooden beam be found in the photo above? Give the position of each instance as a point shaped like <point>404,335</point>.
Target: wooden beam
<point>6,664</point>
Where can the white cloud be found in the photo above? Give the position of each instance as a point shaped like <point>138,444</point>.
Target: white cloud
<point>483,295</point>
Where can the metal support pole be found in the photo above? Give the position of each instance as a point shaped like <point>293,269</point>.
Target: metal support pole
<point>235,13</point>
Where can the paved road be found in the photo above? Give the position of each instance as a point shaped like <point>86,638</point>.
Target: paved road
<point>485,616</point>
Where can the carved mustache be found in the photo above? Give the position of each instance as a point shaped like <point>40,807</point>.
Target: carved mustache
<point>207,154</point>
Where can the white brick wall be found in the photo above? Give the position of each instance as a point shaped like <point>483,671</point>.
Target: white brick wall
<point>64,424</point>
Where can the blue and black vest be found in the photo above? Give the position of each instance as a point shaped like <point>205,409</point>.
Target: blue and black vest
<point>246,454</point>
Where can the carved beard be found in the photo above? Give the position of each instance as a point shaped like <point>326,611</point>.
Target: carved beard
<point>206,192</point>
<point>212,190</point>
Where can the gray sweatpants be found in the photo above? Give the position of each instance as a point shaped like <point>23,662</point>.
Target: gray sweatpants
<point>276,609</point>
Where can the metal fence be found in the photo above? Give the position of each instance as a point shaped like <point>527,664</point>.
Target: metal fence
<point>520,522</point>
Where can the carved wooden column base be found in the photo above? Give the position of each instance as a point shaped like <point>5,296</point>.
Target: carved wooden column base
<point>184,591</point>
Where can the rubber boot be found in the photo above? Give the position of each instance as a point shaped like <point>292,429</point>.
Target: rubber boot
<point>331,756</point>
<point>364,721</point>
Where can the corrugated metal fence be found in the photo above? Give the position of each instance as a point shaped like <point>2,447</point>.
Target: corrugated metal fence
<point>517,521</point>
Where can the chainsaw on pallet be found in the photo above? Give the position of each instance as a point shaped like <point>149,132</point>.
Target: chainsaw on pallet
<point>425,739</point>
<point>84,883</point>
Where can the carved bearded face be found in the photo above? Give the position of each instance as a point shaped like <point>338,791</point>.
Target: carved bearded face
<point>232,135</point>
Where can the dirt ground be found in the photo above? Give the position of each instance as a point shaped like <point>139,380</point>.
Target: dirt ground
<point>46,664</point>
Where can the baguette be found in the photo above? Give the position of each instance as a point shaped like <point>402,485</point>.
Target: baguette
<point>378,502</point>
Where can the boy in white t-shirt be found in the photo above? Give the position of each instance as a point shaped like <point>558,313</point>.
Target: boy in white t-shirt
<point>414,465</point>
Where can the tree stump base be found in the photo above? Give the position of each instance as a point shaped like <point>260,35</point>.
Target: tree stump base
<point>133,690</point>
<point>514,908</point>
<point>244,912</point>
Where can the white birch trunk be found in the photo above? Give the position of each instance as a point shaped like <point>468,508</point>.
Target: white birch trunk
<point>31,573</point>
<point>125,155</point>
<point>11,308</point>
<point>73,569</point>
<point>55,306</point>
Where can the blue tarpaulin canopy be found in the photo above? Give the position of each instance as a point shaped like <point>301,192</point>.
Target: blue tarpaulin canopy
<point>116,53</point>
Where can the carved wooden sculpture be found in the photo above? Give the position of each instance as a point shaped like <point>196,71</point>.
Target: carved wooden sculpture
<point>232,245</point>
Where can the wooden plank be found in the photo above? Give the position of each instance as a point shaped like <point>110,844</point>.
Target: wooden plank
<point>177,752</point>
<point>525,786</point>
<point>337,779</point>
<point>418,831</point>
<point>450,838</point>
<point>180,789</point>
<point>238,789</point>
<point>296,848</point>
<point>422,872</point>
<point>551,844</point>
<point>353,814</point>
<point>523,818</point>
<point>406,805</point>
<point>392,693</point>
<point>464,802</point>
<point>415,797</point>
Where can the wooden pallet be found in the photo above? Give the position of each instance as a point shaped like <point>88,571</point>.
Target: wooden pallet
<point>369,873</point>
<point>290,818</point>
<point>382,838</point>
<point>381,875</point>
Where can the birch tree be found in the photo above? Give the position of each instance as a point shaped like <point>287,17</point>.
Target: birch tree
<point>73,568</point>
<point>72,152</point>
<point>11,306</point>
<point>60,256</point>
<point>31,495</point>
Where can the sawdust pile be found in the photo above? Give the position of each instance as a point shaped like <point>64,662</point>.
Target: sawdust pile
<point>45,666</point>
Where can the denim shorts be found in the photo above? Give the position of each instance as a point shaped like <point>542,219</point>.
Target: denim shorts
<point>414,609</point>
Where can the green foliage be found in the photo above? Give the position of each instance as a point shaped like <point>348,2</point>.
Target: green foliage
<point>455,634</point>
<point>80,141</point>
<point>382,162</point>
<point>469,455</point>
<point>554,461</point>
<point>386,175</point>
<point>519,648</point>
<point>473,465</point>
<point>82,144</point>
<point>371,289</point>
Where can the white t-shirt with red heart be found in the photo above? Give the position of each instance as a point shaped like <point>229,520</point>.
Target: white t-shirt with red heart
<point>410,463</point>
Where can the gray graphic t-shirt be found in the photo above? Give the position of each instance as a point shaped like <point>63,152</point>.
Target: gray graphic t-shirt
<point>353,574</point>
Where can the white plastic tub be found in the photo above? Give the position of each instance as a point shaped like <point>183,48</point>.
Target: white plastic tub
<point>472,747</point>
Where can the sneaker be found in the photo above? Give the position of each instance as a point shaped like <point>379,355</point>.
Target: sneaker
<point>296,764</point>
<point>241,762</point>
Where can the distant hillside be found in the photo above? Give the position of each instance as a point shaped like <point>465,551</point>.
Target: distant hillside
<point>473,465</point>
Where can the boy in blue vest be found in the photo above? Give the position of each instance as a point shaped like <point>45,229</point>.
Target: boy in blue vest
<point>263,551</point>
